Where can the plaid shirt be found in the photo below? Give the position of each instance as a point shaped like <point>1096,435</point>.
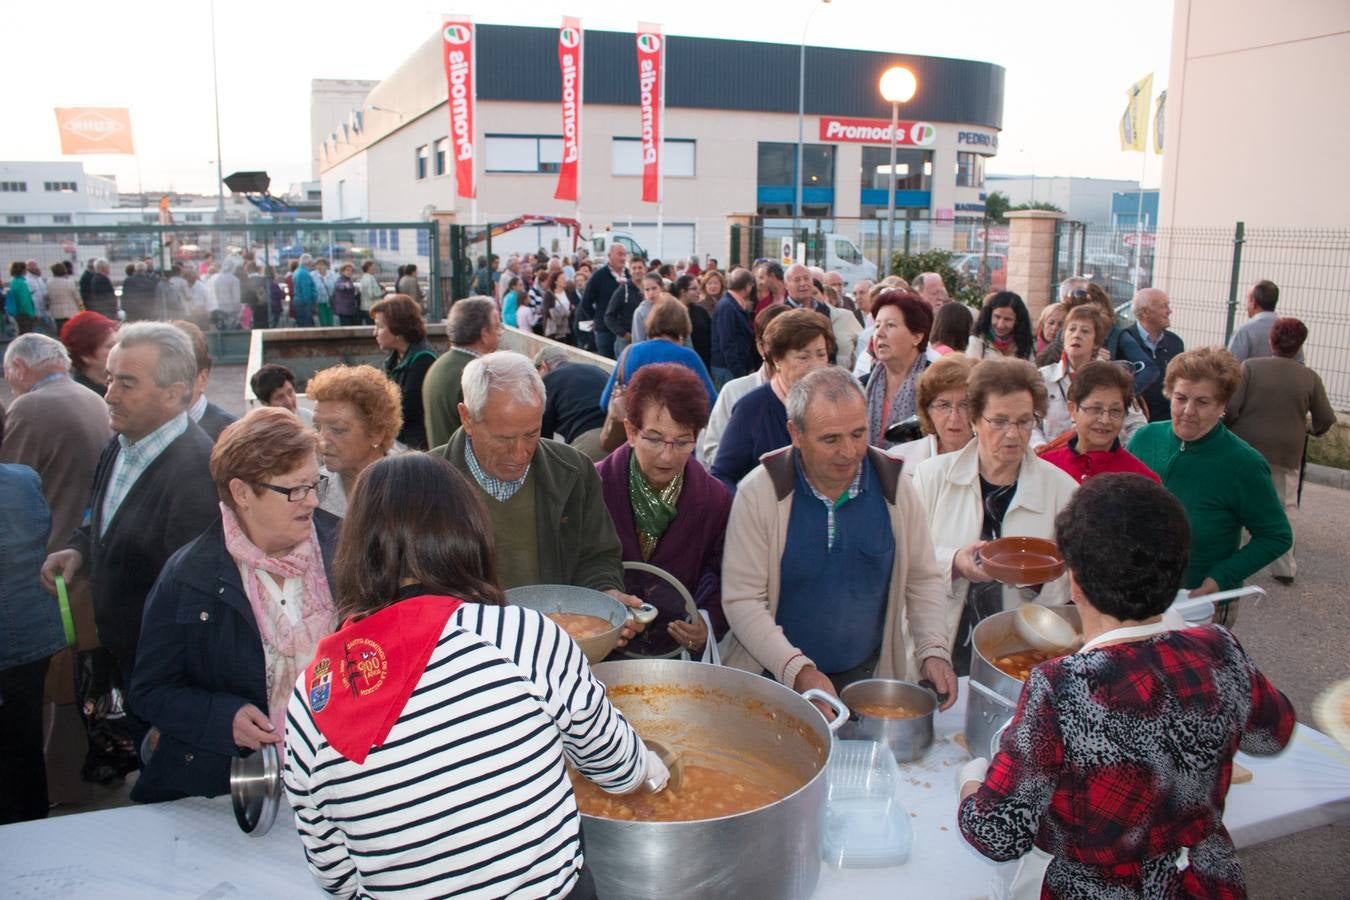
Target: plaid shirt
<point>498,489</point>
<point>854,489</point>
<point>132,461</point>
<point>1119,759</point>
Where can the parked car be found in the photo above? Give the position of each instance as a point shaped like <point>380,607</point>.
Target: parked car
<point>968,266</point>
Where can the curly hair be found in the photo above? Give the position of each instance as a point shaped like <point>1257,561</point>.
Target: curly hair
<point>375,398</point>
<point>668,385</point>
<point>916,312</point>
<point>951,372</point>
<point>1213,363</point>
<point>1127,543</point>
<point>403,317</point>
<point>262,445</point>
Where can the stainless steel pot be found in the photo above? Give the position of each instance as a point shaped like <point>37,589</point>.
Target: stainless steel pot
<point>770,852</point>
<point>993,692</point>
<point>908,739</point>
<point>255,789</point>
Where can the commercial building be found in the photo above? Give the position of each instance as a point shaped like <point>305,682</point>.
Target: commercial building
<point>1080,199</point>
<point>730,136</point>
<point>51,193</point>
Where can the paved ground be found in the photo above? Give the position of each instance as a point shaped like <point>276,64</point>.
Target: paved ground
<point>1298,636</point>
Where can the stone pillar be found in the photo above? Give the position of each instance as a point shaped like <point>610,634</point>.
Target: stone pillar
<point>1031,248</point>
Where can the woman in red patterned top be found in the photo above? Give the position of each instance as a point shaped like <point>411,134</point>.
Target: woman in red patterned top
<point>1118,759</point>
<point>1099,398</point>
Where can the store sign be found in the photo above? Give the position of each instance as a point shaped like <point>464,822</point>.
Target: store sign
<point>457,51</point>
<point>876,131</point>
<point>569,65</point>
<point>977,139</point>
<point>651,96</point>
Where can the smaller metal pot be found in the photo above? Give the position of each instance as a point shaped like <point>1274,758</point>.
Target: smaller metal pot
<point>255,789</point>
<point>566,598</point>
<point>907,739</point>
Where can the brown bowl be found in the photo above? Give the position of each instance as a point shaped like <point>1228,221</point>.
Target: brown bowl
<point>1022,561</point>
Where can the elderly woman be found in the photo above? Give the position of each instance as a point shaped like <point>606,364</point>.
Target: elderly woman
<point>1269,410</point>
<point>237,613</point>
<point>1222,482</point>
<point>944,412</point>
<point>1002,329</point>
<point>89,336</point>
<point>356,414</point>
<point>903,320</point>
<point>1084,329</point>
<point>446,770</point>
<point>1119,756</point>
<point>669,512</point>
<point>995,487</point>
<point>19,298</point>
<point>797,342</point>
<point>1048,325</point>
<point>400,330</point>
<point>346,297</point>
<point>1100,399</point>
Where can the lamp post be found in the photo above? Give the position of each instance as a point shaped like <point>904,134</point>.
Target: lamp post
<point>898,85</point>
<point>801,123</point>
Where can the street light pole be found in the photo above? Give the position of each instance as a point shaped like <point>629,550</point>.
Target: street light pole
<point>215,92</point>
<point>801,124</point>
<point>898,85</point>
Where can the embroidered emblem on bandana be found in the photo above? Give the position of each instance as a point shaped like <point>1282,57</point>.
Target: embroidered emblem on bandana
<point>321,685</point>
<point>365,667</point>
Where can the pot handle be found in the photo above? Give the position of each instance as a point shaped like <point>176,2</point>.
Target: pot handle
<point>834,703</point>
<point>644,614</point>
<point>997,738</point>
<point>992,695</point>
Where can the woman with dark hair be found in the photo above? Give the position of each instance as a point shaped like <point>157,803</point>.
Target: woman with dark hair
<point>903,320</point>
<point>951,329</point>
<point>512,298</point>
<point>400,330</point>
<point>667,330</point>
<point>667,509</point>
<point>426,744</point>
<point>1084,329</point>
<point>1270,409</point>
<point>556,307</point>
<point>687,291</point>
<point>1100,401</point>
<point>1118,759</point>
<point>1002,329</point>
<point>19,298</point>
<point>89,336</point>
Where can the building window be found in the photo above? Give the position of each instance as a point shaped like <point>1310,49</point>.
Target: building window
<point>777,193</point>
<point>913,169</point>
<point>442,153</point>
<point>61,219</point>
<point>422,156</point>
<point>58,186</point>
<point>678,161</point>
<point>523,153</point>
<point>152,219</point>
<point>192,217</point>
<point>969,170</point>
<point>14,220</point>
<point>14,187</point>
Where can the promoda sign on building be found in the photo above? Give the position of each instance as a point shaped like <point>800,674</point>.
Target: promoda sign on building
<point>457,50</point>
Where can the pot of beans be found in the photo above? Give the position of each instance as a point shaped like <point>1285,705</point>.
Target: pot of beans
<point>998,668</point>
<point>895,713</point>
<point>591,618</point>
<point>745,820</point>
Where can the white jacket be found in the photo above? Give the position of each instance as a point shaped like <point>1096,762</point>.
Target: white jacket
<point>915,452</point>
<point>949,491</point>
<point>1057,419</point>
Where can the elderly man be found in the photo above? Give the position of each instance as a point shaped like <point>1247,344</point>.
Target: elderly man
<point>212,419</point>
<point>1252,340</point>
<point>594,334</point>
<point>102,297</point>
<point>544,498</point>
<point>572,410</point>
<point>1149,346</point>
<point>152,488</point>
<point>475,328</point>
<point>801,285</point>
<point>929,286</point>
<point>829,575</point>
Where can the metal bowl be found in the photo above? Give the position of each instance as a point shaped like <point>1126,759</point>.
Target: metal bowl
<point>255,789</point>
<point>566,598</point>
<point>907,739</point>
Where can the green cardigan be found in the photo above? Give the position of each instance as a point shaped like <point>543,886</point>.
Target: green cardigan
<point>1225,487</point>
<point>441,395</point>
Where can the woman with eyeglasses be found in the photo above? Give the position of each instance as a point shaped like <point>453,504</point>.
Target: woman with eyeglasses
<point>668,511</point>
<point>236,614</point>
<point>1100,399</point>
<point>994,487</point>
<point>943,411</point>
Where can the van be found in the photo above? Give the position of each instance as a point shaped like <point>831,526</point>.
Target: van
<point>844,256</point>
<point>602,241</point>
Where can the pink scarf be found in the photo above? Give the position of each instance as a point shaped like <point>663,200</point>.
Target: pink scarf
<point>291,646</point>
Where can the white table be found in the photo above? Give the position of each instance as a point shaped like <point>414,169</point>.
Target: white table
<point>192,848</point>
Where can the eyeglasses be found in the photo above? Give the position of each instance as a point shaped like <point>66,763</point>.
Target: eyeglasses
<point>1001,424</point>
<point>1079,294</point>
<point>1113,414</point>
<point>298,493</point>
<point>944,408</point>
<point>656,444</point>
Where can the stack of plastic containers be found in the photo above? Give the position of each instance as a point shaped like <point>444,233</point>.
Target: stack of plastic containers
<point>866,825</point>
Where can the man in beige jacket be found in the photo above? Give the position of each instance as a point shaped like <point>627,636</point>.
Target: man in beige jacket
<point>829,574</point>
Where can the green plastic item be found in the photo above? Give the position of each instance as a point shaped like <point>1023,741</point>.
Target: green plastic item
<point>67,621</point>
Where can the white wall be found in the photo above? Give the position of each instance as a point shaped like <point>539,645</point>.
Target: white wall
<point>36,201</point>
<point>331,101</point>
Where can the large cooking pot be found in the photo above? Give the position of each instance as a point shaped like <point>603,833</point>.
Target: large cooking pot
<point>770,852</point>
<point>994,693</point>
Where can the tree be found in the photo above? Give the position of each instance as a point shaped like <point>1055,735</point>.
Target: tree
<point>1039,204</point>
<point>996,206</point>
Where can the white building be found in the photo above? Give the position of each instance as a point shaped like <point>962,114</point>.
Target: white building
<point>51,193</point>
<point>1081,199</point>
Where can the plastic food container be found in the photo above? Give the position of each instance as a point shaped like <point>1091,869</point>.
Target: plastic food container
<point>866,825</point>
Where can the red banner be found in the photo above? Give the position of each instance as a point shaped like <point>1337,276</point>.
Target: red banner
<point>457,50</point>
<point>569,65</point>
<point>651,94</point>
<point>876,131</point>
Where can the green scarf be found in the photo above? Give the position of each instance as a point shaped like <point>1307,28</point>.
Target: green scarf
<point>653,510</point>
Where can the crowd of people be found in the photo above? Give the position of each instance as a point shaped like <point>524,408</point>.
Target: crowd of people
<point>828,528</point>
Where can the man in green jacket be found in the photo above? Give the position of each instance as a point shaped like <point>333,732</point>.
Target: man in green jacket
<point>474,329</point>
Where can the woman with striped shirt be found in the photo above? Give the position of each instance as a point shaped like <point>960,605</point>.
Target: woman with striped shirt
<point>426,744</point>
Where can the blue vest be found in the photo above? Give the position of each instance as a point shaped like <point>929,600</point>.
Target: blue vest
<point>832,602</point>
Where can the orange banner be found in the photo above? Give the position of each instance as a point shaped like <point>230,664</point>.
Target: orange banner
<point>91,129</point>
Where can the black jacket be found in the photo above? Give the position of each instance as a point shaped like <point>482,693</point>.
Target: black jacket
<point>172,502</point>
<point>140,297</point>
<point>200,660</point>
<point>622,305</point>
<point>408,372</point>
<point>215,420</point>
<point>572,404</point>
<point>595,300</point>
<point>102,298</point>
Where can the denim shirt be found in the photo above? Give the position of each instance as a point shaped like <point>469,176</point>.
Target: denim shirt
<point>30,619</point>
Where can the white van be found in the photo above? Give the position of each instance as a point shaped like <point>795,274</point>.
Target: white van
<point>846,258</point>
<point>601,242</point>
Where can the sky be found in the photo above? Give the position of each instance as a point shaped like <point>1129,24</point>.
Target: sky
<point>1068,62</point>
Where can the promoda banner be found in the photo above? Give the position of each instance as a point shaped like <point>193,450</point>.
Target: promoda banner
<point>569,66</point>
<point>457,50</point>
<point>651,95</point>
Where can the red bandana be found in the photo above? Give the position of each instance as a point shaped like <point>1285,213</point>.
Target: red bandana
<point>362,676</point>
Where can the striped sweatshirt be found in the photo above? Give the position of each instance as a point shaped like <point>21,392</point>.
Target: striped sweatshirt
<point>468,795</point>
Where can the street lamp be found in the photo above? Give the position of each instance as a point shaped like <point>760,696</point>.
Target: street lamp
<point>801,120</point>
<point>898,85</point>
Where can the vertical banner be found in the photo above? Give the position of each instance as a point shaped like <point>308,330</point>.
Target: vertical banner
<point>651,95</point>
<point>1159,113</point>
<point>1134,123</point>
<point>457,50</point>
<point>569,66</point>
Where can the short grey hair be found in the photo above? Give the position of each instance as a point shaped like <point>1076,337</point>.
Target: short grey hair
<point>467,319</point>
<point>1071,284</point>
<point>1144,296</point>
<point>177,361</point>
<point>37,351</point>
<point>550,356</point>
<point>500,372</point>
<point>306,259</point>
<point>831,383</point>
<point>101,263</point>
